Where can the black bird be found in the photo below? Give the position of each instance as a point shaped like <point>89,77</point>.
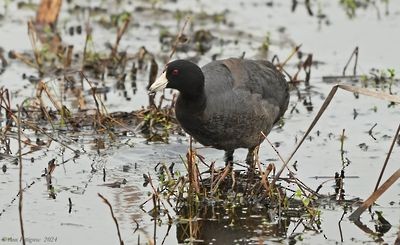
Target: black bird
<point>227,103</point>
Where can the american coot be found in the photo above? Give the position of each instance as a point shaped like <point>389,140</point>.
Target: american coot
<point>227,103</point>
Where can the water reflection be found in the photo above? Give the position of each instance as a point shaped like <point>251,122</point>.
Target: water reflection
<point>217,224</point>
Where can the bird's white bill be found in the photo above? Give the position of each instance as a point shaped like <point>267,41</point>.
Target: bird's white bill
<point>159,84</point>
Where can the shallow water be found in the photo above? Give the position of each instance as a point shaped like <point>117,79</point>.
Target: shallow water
<point>130,157</point>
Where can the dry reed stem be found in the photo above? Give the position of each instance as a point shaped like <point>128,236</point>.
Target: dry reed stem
<point>364,91</point>
<point>291,174</point>
<point>88,37</point>
<point>103,107</point>
<point>178,37</point>
<point>294,51</point>
<point>21,223</point>
<point>233,180</point>
<point>342,138</point>
<point>375,195</point>
<point>354,53</point>
<point>174,47</point>
<point>68,58</point>
<point>43,87</point>
<point>113,216</point>
<point>99,114</point>
<point>120,33</point>
<point>23,59</point>
<point>33,38</point>
<point>305,66</point>
<point>6,104</point>
<point>387,157</point>
<point>220,179</point>
<point>192,169</point>
<point>10,115</point>
<point>172,191</point>
<point>264,175</point>
<point>212,175</point>
<point>121,124</point>
<point>48,12</point>
<point>157,196</point>
<point>34,127</point>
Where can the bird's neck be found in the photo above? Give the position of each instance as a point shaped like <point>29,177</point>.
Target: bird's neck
<point>193,103</point>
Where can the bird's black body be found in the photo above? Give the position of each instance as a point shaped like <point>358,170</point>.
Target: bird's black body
<point>228,102</point>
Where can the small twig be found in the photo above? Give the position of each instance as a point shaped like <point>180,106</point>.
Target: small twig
<point>113,216</point>
<point>212,171</point>
<point>354,53</point>
<point>342,138</point>
<point>166,234</point>
<point>68,58</point>
<point>307,69</point>
<point>70,205</point>
<point>120,33</point>
<point>370,131</point>
<point>98,102</point>
<point>172,191</point>
<point>21,223</point>
<point>87,39</point>
<point>201,158</point>
<point>35,127</point>
<point>21,57</point>
<point>296,226</point>
<point>137,225</point>
<point>294,51</point>
<point>43,87</point>
<point>218,182</point>
<point>33,39</point>
<point>178,38</point>
<point>233,180</point>
<point>103,107</point>
<point>308,7</point>
<point>157,197</point>
<point>152,78</point>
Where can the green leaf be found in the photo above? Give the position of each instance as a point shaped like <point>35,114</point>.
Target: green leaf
<point>306,201</point>
<point>298,193</point>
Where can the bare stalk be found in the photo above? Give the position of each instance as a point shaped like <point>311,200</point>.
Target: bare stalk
<point>21,222</point>
<point>113,216</point>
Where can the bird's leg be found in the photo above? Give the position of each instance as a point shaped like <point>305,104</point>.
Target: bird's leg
<point>229,157</point>
<point>250,159</point>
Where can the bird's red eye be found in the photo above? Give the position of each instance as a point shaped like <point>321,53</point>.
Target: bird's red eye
<point>175,72</point>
